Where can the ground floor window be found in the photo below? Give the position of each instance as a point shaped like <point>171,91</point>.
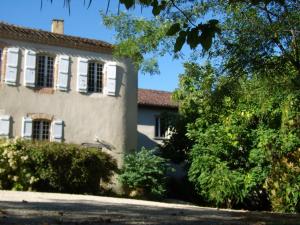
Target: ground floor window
<point>41,130</point>
<point>160,127</point>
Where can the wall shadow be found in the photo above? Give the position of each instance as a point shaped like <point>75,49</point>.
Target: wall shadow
<point>145,141</point>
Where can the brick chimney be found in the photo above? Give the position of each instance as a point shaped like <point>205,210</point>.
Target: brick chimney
<point>57,26</point>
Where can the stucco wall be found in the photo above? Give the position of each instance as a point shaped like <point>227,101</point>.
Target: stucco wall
<point>112,120</point>
<point>146,126</point>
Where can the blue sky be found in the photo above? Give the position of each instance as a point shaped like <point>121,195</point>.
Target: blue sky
<point>85,23</point>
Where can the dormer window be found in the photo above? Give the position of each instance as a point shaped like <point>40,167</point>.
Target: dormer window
<point>44,71</point>
<point>95,76</point>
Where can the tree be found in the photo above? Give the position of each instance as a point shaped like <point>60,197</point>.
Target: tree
<point>243,143</point>
<point>246,133</point>
<point>176,22</point>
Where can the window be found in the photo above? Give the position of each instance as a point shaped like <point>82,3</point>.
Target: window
<point>41,130</point>
<point>94,79</point>
<point>45,71</point>
<point>160,127</point>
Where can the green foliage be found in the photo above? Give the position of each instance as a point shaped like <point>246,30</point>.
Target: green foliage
<point>243,131</point>
<point>176,147</point>
<point>16,170</point>
<point>243,116</point>
<point>284,183</point>
<point>53,167</point>
<point>143,170</point>
<point>138,39</point>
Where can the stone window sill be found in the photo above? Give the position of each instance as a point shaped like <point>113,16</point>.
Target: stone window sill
<point>44,90</point>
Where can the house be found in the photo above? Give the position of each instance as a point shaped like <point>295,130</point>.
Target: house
<point>153,128</point>
<point>59,87</point>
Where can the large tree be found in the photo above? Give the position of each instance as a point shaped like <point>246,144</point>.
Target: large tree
<point>247,129</point>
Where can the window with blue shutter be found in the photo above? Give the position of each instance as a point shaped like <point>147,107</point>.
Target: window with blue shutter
<point>29,68</point>
<point>12,66</point>
<point>5,126</point>
<point>82,71</point>
<point>111,78</point>
<point>63,72</point>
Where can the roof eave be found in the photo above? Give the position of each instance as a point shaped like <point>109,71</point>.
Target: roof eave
<point>157,106</point>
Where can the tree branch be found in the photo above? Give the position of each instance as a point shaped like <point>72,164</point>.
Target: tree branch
<point>183,13</point>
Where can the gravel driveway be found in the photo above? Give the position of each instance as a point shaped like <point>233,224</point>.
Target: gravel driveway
<point>34,208</point>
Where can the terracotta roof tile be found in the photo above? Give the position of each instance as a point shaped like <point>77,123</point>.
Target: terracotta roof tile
<point>155,98</point>
<point>45,37</point>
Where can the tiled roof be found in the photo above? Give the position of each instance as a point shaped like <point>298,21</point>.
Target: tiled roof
<point>45,37</point>
<point>155,98</point>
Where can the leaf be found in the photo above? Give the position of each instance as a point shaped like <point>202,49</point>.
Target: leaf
<point>163,5</point>
<point>173,29</point>
<point>128,3</point>
<point>205,40</point>
<point>193,38</point>
<point>146,2</point>
<point>213,22</point>
<point>180,41</point>
<point>156,8</point>
<point>208,32</point>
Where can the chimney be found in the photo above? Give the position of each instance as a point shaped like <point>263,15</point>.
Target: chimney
<point>57,26</point>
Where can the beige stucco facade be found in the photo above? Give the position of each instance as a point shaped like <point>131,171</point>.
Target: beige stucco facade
<point>88,118</point>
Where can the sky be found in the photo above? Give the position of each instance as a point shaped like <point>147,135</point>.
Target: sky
<point>87,23</point>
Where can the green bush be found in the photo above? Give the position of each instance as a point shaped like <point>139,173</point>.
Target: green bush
<point>144,171</point>
<point>245,137</point>
<point>53,167</point>
<point>283,183</point>
<point>16,170</point>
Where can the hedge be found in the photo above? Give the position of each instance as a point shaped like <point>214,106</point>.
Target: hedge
<point>53,167</point>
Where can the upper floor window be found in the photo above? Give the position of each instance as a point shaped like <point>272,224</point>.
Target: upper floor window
<point>41,130</point>
<point>95,76</point>
<point>44,71</point>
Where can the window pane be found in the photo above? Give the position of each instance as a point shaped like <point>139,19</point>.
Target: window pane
<point>157,126</point>
<point>162,127</point>
<point>40,130</point>
<point>99,78</point>
<point>95,77</point>
<point>91,76</point>
<point>45,71</point>
<point>49,74</point>
<point>40,70</point>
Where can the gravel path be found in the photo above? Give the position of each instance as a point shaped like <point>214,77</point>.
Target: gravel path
<point>34,208</point>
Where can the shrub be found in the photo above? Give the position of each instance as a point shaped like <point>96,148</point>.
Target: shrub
<point>53,167</point>
<point>145,171</point>
<point>283,183</point>
<point>16,170</point>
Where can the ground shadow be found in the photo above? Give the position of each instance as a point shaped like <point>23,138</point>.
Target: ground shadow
<point>92,212</point>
